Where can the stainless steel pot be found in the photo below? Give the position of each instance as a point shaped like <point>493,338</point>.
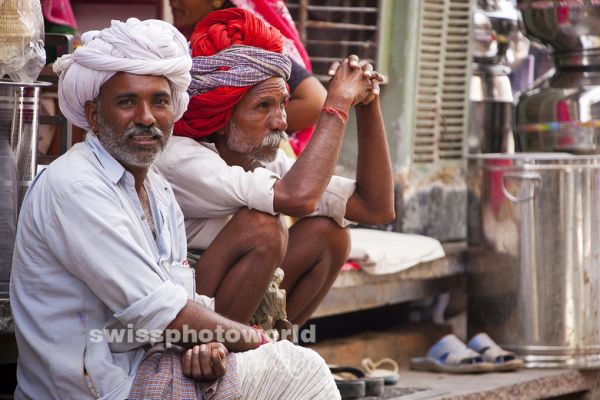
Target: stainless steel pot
<point>534,255</point>
<point>563,114</point>
<point>491,111</point>
<point>566,26</point>
<point>19,108</point>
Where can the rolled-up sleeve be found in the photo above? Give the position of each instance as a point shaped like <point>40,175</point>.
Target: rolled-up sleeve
<point>143,313</point>
<point>333,202</point>
<point>92,236</point>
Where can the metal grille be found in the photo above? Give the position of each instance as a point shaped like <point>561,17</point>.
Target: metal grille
<point>443,73</point>
<point>333,29</point>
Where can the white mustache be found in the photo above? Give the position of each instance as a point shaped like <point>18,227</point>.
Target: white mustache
<point>273,139</point>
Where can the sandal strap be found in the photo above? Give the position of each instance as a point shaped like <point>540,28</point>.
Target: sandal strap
<point>370,365</point>
<point>451,350</point>
<point>489,349</point>
<point>493,353</point>
<point>459,357</point>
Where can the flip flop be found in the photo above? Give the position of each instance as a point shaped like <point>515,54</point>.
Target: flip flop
<point>373,369</point>
<point>451,355</point>
<point>502,360</point>
<point>349,380</point>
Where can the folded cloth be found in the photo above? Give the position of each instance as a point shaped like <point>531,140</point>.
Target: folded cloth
<point>381,252</point>
<point>160,376</point>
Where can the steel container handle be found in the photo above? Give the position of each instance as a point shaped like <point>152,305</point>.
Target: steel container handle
<point>526,176</point>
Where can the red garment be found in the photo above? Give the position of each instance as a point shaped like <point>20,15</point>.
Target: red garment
<point>208,112</point>
<point>225,28</point>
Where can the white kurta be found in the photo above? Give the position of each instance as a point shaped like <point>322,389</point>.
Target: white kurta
<point>209,191</point>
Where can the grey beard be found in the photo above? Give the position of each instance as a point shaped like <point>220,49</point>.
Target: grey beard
<point>116,144</point>
<point>258,153</point>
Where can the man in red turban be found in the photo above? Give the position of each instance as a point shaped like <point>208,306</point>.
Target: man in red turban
<point>233,183</point>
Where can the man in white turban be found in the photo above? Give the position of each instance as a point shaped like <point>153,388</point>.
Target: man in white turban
<point>100,270</point>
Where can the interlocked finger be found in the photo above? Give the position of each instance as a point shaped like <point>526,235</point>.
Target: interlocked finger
<point>354,61</point>
<point>367,68</point>
<point>333,68</point>
<point>375,87</point>
<point>378,76</point>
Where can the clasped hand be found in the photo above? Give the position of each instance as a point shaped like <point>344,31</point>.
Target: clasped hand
<point>355,80</point>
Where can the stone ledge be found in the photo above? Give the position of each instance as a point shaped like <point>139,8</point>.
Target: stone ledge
<point>523,384</point>
<point>358,290</point>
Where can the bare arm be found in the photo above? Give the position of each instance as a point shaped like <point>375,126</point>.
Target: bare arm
<point>373,200</point>
<point>305,105</point>
<point>197,318</point>
<point>298,192</point>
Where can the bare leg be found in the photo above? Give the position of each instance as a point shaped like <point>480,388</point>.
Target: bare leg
<point>238,265</point>
<point>317,248</point>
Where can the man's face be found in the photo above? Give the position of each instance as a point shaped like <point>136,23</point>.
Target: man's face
<point>258,121</point>
<point>134,118</point>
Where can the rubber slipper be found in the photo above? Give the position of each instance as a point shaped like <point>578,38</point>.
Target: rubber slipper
<point>451,355</point>
<point>502,360</point>
<point>346,378</point>
<point>374,369</point>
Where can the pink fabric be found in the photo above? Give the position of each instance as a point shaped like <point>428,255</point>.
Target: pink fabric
<point>59,12</point>
<point>276,14</point>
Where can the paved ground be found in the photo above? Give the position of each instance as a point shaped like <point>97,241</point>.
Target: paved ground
<point>523,384</point>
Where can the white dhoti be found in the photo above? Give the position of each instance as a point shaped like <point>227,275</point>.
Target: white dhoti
<point>283,370</point>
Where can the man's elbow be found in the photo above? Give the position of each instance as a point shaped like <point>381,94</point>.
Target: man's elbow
<point>301,207</point>
<point>382,217</point>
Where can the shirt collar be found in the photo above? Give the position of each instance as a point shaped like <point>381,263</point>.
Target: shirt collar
<point>114,169</point>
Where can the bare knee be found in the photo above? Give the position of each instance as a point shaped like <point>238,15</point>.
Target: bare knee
<point>336,240</point>
<point>339,245</point>
<point>262,233</point>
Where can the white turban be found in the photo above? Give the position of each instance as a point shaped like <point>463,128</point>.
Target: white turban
<point>150,47</point>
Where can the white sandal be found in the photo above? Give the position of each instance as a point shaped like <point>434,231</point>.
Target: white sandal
<point>503,360</point>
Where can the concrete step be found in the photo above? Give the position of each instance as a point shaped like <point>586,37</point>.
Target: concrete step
<point>523,384</point>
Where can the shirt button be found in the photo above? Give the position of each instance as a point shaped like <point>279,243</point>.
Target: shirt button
<point>143,217</point>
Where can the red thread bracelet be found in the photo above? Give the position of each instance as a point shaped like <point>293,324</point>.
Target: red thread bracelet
<point>342,115</point>
<point>263,340</point>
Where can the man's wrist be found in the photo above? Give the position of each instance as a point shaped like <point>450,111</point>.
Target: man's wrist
<point>338,102</point>
<point>339,113</point>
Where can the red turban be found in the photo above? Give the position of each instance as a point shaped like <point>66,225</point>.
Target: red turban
<point>210,111</point>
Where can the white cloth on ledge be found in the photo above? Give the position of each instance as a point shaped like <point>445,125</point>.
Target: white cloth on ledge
<point>381,252</point>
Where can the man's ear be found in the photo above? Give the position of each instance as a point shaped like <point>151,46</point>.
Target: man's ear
<point>91,115</point>
<point>220,131</point>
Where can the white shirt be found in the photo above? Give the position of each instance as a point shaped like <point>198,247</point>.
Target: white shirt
<point>85,260</point>
<point>209,191</point>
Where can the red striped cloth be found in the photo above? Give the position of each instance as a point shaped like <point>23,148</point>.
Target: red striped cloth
<point>160,376</point>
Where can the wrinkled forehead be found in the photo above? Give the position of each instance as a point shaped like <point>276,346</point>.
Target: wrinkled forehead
<point>271,87</point>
